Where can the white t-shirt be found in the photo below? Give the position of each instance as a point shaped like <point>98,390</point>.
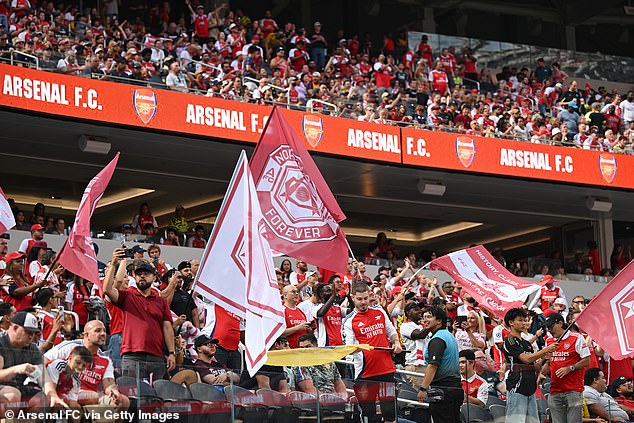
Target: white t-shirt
<point>415,355</point>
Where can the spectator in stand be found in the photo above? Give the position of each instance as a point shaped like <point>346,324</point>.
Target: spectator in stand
<point>470,333</point>
<point>58,228</point>
<point>318,45</point>
<point>286,268</point>
<point>627,109</point>
<point>542,72</point>
<point>566,370</point>
<point>198,240</point>
<point>147,323</point>
<point>415,340</point>
<point>594,259</point>
<point>15,287</point>
<point>143,218</point>
<point>439,79</point>
<point>37,234</point>
<point>176,79</point>
<point>323,378</point>
<point>621,390</point>
<point>328,315</point>
<point>476,389</point>
<point>297,323</point>
<point>600,403</point>
<point>206,365</point>
<point>547,295</point>
<point>374,370</point>
<point>179,221</point>
<point>78,298</point>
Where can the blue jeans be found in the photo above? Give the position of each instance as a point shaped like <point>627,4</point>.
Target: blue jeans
<point>521,409</point>
<point>566,407</point>
<point>4,21</point>
<point>319,56</point>
<point>114,350</point>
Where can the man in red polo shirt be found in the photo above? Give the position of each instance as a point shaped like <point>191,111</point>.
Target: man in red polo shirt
<point>566,370</point>
<point>147,322</point>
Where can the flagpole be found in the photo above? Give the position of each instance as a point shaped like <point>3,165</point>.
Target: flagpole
<point>423,267</point>
<point>566,331</point>
<point>52,265</point>
<point>352,255</point>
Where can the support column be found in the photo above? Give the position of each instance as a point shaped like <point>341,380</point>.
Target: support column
<point>429,22</point>
<point>571,38</point>
<point>605,239</point>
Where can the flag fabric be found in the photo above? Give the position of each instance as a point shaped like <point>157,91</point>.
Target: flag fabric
<point>237,272</point>
<point>486,280</point>
<point>312,356</point>
<point>77,254</point>
<point>301,214</point>
<point>609,318</point>
<point>7,220</point>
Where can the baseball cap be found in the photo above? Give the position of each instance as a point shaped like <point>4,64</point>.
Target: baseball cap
<point>204,340</point>
<point>5,308</point>
<point>233,25</point>
<point>37,227</point>
<point>137,249</point>
<point>556,131</point>
<point>548,278</point>
<point>409,296</point>
<point>183,265</point>
<point>411,306</point>
<point>27,320</point>
<point>39,244</point>
<point>396,290</point>
<point>317,23</point>
<point>616,384</point>
<point>554,318</point>
<point>144,267</point>
<point>558,85</point>
<point>15,255</point>
<point>560,301</point>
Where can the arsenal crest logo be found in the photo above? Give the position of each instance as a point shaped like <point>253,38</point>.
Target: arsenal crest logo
<point>607,166</point>
<point>313,128</point>
<point>145,104</point>
<point>465,150</point>
<point>622,306</point>
<point>290,204</point>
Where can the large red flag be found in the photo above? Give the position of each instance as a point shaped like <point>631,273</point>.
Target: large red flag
<point>609,318</point>
<point>77,254</point>
<point>7,221</point>
<point>300,212</point>
<point>486,280</point>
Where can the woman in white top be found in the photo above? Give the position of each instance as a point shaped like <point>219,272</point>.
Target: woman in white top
<point>471,335</point>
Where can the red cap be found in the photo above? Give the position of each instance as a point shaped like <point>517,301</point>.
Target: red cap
<point>548,278</point>
<point>396,290</point>
<point>15,255</point>
<point>37,227</point>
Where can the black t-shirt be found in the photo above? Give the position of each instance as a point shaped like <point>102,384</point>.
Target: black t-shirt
<point>182,303</point>
<point>522,377</point>
<point>568,96</point>
<point>13,357</point>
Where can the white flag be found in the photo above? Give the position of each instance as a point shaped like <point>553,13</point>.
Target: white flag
<point>237,272</point>
<point>7,221</point>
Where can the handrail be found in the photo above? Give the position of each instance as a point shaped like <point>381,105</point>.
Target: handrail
<point>37,60</point>
<point>472,80</point>
<point>309,105</point>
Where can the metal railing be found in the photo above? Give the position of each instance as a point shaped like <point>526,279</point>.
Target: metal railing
<point>310,105</point>
<point>13,61</point>
<point>473,81</point>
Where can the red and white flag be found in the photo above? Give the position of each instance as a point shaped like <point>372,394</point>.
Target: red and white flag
<point>7,220</point>
<point>609,318</point>
<point>237,272</point>
<point>486,280</point>
<point>301,214</point>
<point>77,254</point>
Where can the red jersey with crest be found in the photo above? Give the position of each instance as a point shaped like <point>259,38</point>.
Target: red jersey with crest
<point>372,327</point>
<point>201,26</point>
<point>476,387</point>
<point>66,382</point>
<point>47,320</point>
<point>92,377</point>
<point>548,296</point>
<point>439,81</point>
<point>329,325</point>
<point>225,327</point>
<point>572,348</point>
<point>294,317</point>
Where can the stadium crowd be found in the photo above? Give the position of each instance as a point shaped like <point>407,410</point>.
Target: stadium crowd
<point>226,53</point>
<point>146,322</point>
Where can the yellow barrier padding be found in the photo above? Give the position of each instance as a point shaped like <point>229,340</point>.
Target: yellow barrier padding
<point>312,356</point>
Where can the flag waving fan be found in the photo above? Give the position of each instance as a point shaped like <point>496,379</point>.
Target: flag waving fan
<point>7,221</point>
<point>236,271</point>
<point>609,318</point>
<point>77,254</point>
<point>301,214</point>
<point>486,280</point>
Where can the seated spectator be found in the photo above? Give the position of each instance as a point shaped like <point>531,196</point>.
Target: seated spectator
<point>59,227</point>
<point>600,403</point>
<point>209,370</point>
<point>143,218</point>
<point>97,383</point>
<point>149,230</point>
<point>198,240</point>
<point>621,391</point>
<point>62,384</point>
<point>268,377</point>
<point>15,287</point>
<point>323,378</point>
<point>154,252</point>
<point>476,389</point>
<point>179,222</point>
<point>176,79</point>
<point>470,334</point>
<point>20,360</point>
<point>171,237</point>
